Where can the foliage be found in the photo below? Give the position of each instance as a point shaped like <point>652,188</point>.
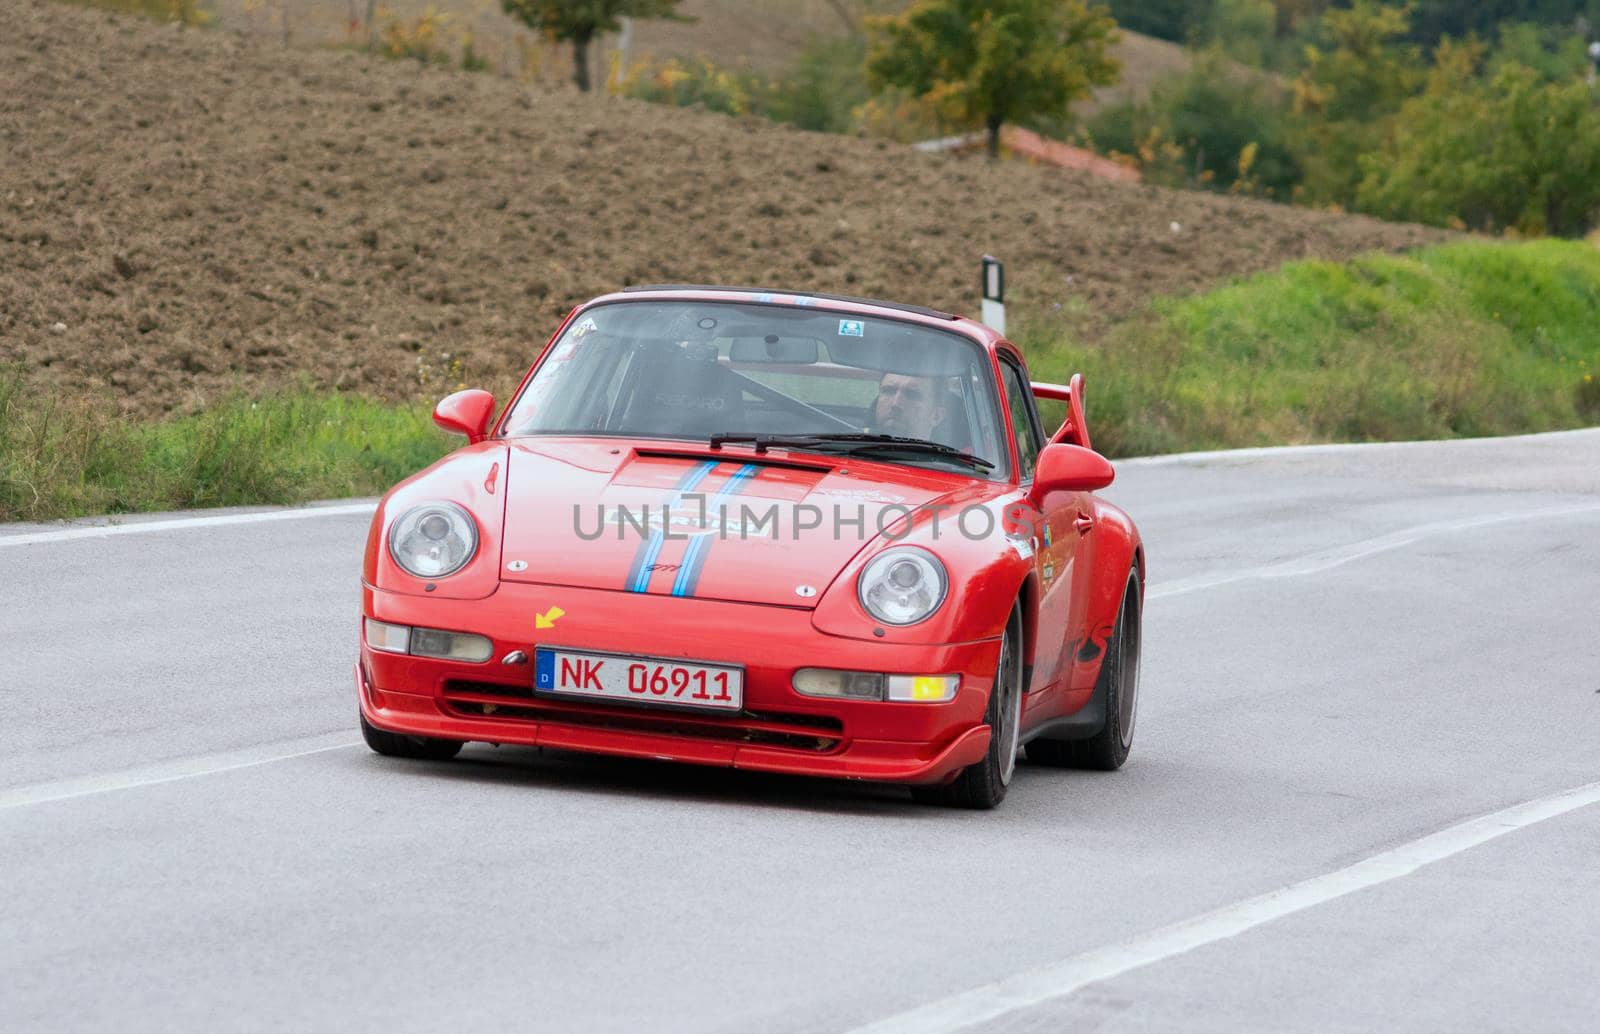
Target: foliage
<point>1555,54</point>
<point>580,21</point>
<point>191,13</point>
<point>825,87</point>
<point>421,39</point>
<point>989,62</point>
<point>1511,151</point>
<point>1174,20</point>
<point>699,82</point>
<point>821,92</point>
<point>1435,19</point>
<point>70,457</point>
<point>1244,29</point>
<point>1211,125</point>
<point>471,60</point>
<point>1466,339</point>
<point>1359,76</point>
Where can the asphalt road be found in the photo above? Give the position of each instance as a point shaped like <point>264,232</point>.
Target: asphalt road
<point>1349,653</point>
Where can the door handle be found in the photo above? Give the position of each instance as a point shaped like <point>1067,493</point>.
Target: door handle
<point>1084,524</point>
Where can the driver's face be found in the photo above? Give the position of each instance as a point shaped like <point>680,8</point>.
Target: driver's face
<point>907,405</point>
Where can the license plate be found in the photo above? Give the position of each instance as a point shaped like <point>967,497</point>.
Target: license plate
<point>649,680</point>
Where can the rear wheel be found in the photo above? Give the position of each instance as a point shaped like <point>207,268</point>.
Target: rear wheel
<point>984,785</point>
<point>394,745</point>
<point>1118,686</point>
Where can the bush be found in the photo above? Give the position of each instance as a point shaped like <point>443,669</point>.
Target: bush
<point>699,82</point>
<point>822,91</point>
<point>421,39</point>
<point>1212,125</point>
<point>191,13</point>
<point>1511,151</point>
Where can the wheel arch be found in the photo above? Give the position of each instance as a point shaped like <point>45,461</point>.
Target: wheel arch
<point>1117,552</point>
<point>1027,598</point>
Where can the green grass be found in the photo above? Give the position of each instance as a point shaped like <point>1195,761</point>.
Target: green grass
<point>1467,339</point>
<point>69,458</point>
<point>1474,338</point>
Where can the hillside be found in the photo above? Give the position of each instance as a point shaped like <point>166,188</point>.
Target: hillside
<point>183,211</point>
<point>767,35</point>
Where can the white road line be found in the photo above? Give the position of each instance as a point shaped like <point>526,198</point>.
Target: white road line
<point>1316,562</point>
<point>1270,451</point>
<point>1036,986</point>
<point>98,531</point>
<point>172,771</point>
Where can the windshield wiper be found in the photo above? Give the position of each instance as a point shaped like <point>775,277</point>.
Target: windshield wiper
<point>853,443</point>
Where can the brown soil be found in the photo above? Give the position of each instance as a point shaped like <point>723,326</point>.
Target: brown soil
<point>181,212</point>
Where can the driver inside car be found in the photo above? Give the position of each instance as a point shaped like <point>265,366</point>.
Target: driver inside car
<point>908,406</point>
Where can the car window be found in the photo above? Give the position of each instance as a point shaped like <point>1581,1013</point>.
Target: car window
<point>691,369</point>
<point>1025,420</point>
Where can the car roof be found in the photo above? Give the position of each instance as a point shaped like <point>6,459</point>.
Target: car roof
<point>835,302</point>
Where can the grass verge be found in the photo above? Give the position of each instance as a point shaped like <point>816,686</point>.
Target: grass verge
<point>1474,338</point>
<point>68,458</point>
<point>1466,339</point>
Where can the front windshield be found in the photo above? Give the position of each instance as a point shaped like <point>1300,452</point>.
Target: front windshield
<point>688,369</point>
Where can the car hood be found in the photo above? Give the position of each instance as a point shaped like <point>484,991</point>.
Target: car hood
<point>671,519</point>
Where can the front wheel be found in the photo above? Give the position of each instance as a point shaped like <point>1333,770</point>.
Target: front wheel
<point>395,745</point>
<point>1118,686</point>
<point>982,786</point>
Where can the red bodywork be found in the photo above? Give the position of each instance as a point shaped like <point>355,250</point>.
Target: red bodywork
<point>745,610</point>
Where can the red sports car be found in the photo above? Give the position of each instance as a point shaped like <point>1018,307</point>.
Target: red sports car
<point>775,531</point>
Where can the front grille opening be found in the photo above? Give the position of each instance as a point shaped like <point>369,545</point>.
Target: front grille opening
<point>816,734</point>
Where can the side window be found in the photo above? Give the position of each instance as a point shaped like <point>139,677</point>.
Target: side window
<point>1019,399</point>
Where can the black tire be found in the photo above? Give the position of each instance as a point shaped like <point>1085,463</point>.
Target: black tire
<point>421,748</point>
<point>982,786</point>
<point>1107,750</point>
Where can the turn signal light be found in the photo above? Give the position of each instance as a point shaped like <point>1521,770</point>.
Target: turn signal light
<point>871,685</point>
<point>428,642</point>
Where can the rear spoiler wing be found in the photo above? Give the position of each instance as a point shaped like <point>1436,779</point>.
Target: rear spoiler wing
<point>1074,430</point>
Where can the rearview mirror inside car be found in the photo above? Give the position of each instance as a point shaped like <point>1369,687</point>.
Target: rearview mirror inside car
<point>774,349</point>
<point>466,412</point>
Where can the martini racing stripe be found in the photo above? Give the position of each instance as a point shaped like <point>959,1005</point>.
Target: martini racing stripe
<point>650,548</point>
<point>694,559</point>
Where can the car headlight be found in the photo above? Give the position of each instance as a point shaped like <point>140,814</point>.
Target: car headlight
<point>902,585</point>
<point>433,540</point>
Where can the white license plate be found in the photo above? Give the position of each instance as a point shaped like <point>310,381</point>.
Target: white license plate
<point>648,680</point>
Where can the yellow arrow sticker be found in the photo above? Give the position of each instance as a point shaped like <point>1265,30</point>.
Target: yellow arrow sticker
<point>548,618</point>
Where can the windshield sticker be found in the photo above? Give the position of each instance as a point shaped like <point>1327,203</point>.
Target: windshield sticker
<point>588,326</point>
<point>852,328</point>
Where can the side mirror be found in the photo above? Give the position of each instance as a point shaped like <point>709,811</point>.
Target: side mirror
<point>466,412</point>
<point>1070,468</point>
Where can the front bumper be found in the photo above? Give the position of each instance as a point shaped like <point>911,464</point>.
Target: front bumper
<point>777,731</point>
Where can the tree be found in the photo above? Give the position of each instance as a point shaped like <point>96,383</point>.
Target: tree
<point>1348,90</point>
<point>989,62</point>
<point>1212,124</point>
<point>580,21</point>
<point>1434,19</point>
<point>1173,20</point>
<point>1509,151</point>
